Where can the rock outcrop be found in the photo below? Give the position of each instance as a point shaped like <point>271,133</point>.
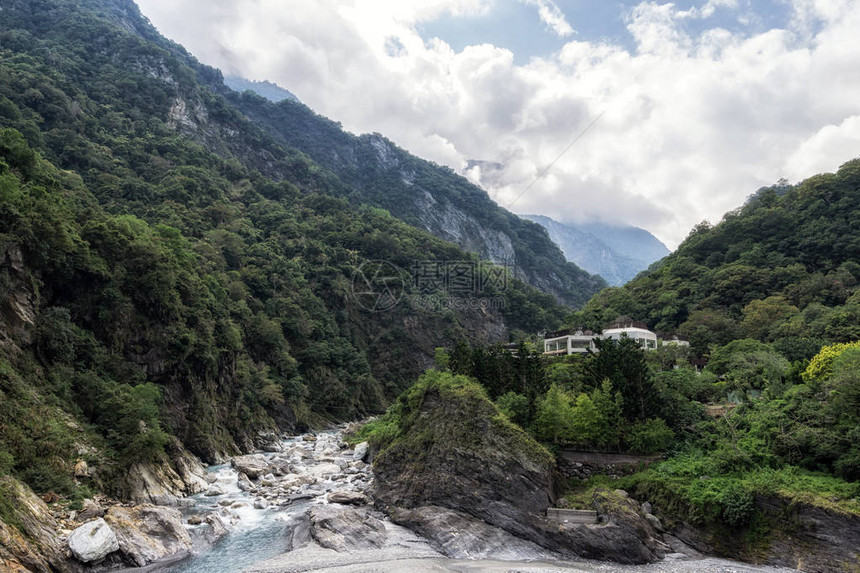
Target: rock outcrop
<point>28,532</point>
<point>148,533</point>
<point>167,483</point>
<point>801,536</point>
<point>456,451</point>
<point>346,528</point>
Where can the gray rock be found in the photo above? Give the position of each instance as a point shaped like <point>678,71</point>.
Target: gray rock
<point>261,503</point>
<point>460,536</point>
<point>91,510</point>
<point>346,529</point>
<point>93,541</point>
<point>252,465</point>
<point>216,529</point>
<point>148,533</point>
<point>360,451</point>
<point>654,521</point>
<point>347,497</point>
<point>214,489</point>
<point>299,453</point>
<point>244,483</point>
<point>646,507</point>
<point>195,520</point>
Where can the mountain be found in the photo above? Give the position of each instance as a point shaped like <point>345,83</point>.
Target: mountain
<point>271,91</point>
<point>590,249</point>
<point>423,194</point>
<point>632,242</point>
<point>782,268</point>
<point>172,277</point>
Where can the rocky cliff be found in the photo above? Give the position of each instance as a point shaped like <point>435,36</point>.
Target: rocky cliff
<point>453,450</point>
<point>788,534</point>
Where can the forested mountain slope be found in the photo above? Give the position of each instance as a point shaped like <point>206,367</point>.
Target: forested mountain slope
<point>784,267</point>
<point>426,195</point>
<point>170,272</point>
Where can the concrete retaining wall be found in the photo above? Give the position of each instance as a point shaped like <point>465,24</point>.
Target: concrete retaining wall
<point>583,465</point>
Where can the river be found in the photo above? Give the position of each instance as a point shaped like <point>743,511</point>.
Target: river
<point>275,536</point>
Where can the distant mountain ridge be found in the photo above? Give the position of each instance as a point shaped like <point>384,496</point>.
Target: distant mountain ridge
<point>616,253</point>
<point>271,91</point>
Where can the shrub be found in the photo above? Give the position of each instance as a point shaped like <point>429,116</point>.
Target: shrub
<point>650,436</point>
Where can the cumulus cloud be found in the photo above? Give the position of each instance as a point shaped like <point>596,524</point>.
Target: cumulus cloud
<point>693,123</point>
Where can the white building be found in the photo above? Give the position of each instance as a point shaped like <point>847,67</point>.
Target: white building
<point>569,342</point>
<point>637,331</point>
<point>582,341</point>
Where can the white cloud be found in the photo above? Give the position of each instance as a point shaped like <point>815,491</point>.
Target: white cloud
<point>551,15</point>
<point>694,123</point>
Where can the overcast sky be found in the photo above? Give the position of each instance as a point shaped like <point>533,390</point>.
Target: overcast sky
<point>703,101</point>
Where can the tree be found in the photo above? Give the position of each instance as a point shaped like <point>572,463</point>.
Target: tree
<point>763,317</point>
<point>623,363</point>
<point>553,417</point>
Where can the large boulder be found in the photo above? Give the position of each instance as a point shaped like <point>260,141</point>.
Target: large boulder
<point>455,450</point>
<point>346,528</point>
<point>360,451</point>
<point>148,533</point>
<point>252,465</point>
<point>93,541</point>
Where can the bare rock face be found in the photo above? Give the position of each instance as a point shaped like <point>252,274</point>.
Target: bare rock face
<point>93,541</point>
<point>460,536</point>
<point>345,529</point>
<point>29,542</point>
<point>147,533</point>
<point>166,483</point>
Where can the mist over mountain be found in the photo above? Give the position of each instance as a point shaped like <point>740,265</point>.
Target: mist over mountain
<point>616,253</point>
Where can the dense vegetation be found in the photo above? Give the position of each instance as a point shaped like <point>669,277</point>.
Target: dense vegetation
<point>782,269</point>
<point>424,194</point>
<point>768,299</point>
<point>172,276</point>
<point>620,399</point>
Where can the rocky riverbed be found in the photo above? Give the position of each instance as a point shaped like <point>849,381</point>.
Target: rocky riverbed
<point>306,504</point>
